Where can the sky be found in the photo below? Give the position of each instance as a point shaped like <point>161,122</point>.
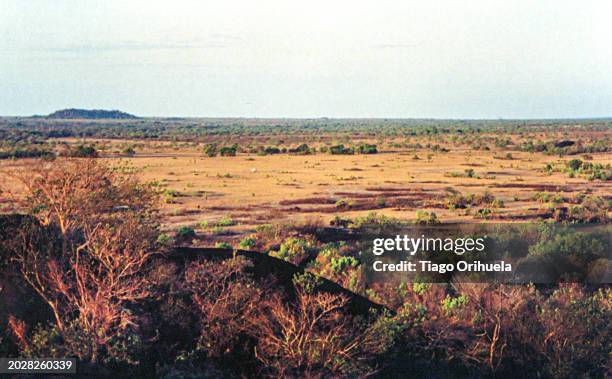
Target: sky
<point>284,58</point>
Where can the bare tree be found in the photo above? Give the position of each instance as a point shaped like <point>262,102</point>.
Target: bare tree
<point>95,233</point>
<point>314,334</point>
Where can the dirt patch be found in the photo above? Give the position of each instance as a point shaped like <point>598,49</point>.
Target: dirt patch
<point>389,189</point>
<point>308,200</point>
<point>535,187</point>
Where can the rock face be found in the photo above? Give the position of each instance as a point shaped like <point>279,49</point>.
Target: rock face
<point>90,114</point>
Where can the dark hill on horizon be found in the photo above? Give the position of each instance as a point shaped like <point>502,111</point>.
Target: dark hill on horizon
<point>90,114</point>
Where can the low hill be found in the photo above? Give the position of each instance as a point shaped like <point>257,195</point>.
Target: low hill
<point>90,114</point>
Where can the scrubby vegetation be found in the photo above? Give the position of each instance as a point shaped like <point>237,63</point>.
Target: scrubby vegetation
<point>567,147</point>
<point>458,201</point>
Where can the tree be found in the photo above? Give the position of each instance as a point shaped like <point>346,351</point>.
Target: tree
<point>210,149</point>
<point>94,232</point>
<point>314,336</point>
<point>228,151</point>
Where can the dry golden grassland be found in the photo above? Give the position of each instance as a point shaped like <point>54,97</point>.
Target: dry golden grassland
<point>248,190</point>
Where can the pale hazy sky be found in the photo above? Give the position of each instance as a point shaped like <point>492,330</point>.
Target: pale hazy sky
<point>442,59</point>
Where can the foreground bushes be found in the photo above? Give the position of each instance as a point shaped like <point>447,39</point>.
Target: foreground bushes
<point>488,330</point>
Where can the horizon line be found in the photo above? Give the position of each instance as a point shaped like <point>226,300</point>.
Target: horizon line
<point>326,117</point>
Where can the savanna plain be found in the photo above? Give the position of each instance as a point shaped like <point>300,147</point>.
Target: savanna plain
<point>239,238</point>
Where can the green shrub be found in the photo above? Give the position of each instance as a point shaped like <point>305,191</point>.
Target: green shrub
<point>293,250</point>
<point>81,151</point>
<point>302,149</point>
<point>420,288</point>
<point>484,213</point>
<point>341,264</point>
<point>574,164</point>
<point>426,218</point>
<point>223,245</point>
<point>451,305</point>
<point>307,282</point>
<point>458,201</point>
<point>367,149</point>
<point>228,151</point>
<point>341,150</point>
<point>248,243</point>
<point>185,232</point>
<point>210,149</point>
<point>164,239</point>
<point>217,230</point>
<point>272,150</point>
<point>226,221</point>
<point>373,219</point>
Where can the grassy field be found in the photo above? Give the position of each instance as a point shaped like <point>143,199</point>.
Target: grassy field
<point>405,176</point>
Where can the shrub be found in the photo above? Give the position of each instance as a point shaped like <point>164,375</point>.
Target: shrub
<point>306,282</point>
<point>302,149</point>
<point>164,239</point>
<point>583,246</point>
<point>341,264</point>
<point>223,245</point>
<point>129,151</point>
<point>185,232</point>
<point>451,305</point>
<point>426,218</point>
<point>210,149</point>
<point>420,288</point>
<point>341,150</point>
<point>367,149</point>
<point>341,222</point>
<point>311,337</point>
<point>574,164</point>
<point>81,151</point>
<point>248,243</point>
<point>547,197</point>
<point>169,195</point>
<point>343,203</point>
<point>373,219</point>
<point>272,150</point>
<point>484,213</point>
<point>593,209</point>
<point>225,299</point>
<point>225,221</point>
<point>294,250</point>
<point>467,173</point>
<point>458,201</point>
<point>217,230</point>
<point>228,151</point>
